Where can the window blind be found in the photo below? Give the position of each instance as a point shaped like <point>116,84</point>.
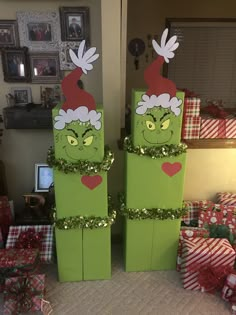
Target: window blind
<point>205,61</point>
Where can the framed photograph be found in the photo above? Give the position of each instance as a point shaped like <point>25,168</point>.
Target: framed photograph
<point>50,96</point>
<point>75,24</point>
<point>21,95</point>
<point>65,60</point>
<point>45,68</point>
<point>8,33</point>
<point>39,30</point>
<point>15,63</point>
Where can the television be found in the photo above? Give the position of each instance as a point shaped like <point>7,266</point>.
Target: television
<point>43,177</point>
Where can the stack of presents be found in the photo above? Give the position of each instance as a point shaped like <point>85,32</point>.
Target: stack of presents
<point>213,122</point>
<point>206,253</point>
<point>23,249</point>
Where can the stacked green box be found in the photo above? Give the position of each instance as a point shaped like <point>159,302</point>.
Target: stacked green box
<point>83,254</point>
<point>151,244</point>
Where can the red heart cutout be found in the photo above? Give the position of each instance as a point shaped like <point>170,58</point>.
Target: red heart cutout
<point>171,169</point>
<point>91,181</point>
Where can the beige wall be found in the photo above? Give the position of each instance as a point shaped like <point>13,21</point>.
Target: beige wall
<point>21,149</point>
<point>208,170</point>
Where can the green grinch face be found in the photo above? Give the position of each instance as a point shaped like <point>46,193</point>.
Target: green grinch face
<point>157,126</point>
<point>78,141</point>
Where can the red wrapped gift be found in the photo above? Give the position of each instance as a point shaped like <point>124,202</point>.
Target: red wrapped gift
<point>43,233</point>
<point>193,207</point>
<point>187,232</point>
<point>6,218</point>
<point>17,262</point>
<point>218,128</point>
<point>218,214</point>
<point>202,255</point>
<point>229,291</point>
<point>192,106</point>
<point>191,128</point>
<point>23,294</point>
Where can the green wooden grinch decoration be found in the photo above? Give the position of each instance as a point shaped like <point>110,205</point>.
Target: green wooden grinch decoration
<point>155,169</point>
<point>80,177</point>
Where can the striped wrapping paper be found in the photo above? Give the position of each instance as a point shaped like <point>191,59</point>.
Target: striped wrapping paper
<point>188,232</point>
<point>192,106</point>
<point>217,128</point>
<point>191,127</point>
<point>226,198</point>
<point>200,252</point>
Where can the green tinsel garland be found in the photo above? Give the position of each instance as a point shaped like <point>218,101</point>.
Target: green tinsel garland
<point>82,167</point>
<point>169,150</point>
<point>84,222</point>
<point>153,213</point>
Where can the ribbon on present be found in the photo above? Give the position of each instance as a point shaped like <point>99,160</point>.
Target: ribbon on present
<point>215,109</point>
<point>212,279</point>
<point>188,93</point>
<point>21,293</point>
<point>29,239</point>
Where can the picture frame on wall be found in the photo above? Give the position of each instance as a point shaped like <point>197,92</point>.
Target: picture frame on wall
<point>45,68</point>
<point>39,31</point>
<point>9,36</point>
<point>65,60</point>
<point>75,24</point>
<point>15,64</point>
<point>50,95</point>
<point>21,95</point>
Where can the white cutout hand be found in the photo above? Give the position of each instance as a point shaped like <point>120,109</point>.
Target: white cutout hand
<point>84,60</point>
<point>166,49</point>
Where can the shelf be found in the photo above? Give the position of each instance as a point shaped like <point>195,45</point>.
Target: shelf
<point>195,144</point>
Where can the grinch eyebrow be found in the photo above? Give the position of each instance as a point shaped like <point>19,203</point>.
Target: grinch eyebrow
<point>75,133</point>
<point>86,131</point>
<point>153,117</point>
<point>164,116</point>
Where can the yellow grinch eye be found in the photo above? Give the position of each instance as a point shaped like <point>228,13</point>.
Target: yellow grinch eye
<point>88,141</point>
<point>150,125</point>
<point>72,141</point>
<point>165,124</point>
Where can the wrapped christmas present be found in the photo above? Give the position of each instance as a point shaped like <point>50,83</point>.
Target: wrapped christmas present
<point>191,127</point>
<point>17,262</point>
<point>229,291</point>
<point>33,236</point>
<point>187,232</point>
<point>205,263</point>
<point>6,218</point>
<point>193,207</point>
<point>23,294</point>
<point>217,128</point>
<point>226,198</point>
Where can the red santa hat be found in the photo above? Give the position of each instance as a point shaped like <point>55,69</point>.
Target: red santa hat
<point>161,91</point>
<point>79,104</point>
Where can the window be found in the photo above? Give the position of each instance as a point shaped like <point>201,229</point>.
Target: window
<point>205,61</point>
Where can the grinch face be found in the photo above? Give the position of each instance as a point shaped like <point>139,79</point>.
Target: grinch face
<point>78,141</point>
<point>157,126</point>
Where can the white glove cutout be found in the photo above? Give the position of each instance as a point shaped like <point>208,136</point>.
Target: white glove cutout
<point>166,49</point>
<point>84,60</point>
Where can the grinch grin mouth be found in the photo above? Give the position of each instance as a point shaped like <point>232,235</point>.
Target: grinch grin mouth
<point>78,157</point>
<point>157,142</point>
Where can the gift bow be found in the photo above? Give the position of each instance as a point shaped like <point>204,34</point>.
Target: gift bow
<point>215,109</point>
<point>29,239</point>
<point>22,293</point>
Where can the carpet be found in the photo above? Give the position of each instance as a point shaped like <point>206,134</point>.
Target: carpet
<point>134,293</point>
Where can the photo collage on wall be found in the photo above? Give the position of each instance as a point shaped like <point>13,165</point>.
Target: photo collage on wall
<point>35,49</point>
